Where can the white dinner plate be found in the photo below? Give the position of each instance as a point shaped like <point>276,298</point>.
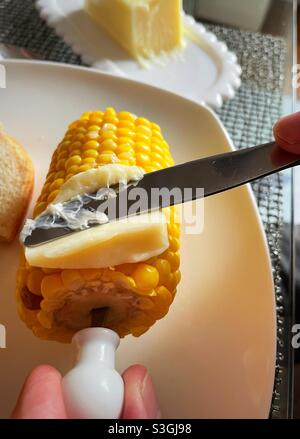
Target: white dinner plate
<point>214,353</point>
<point>205,71</point>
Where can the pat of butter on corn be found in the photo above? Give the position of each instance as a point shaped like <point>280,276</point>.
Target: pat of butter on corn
<point>128,240</point>
<point>145,28</point>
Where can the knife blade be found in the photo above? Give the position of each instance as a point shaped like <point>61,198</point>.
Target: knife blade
<point>179,184</point>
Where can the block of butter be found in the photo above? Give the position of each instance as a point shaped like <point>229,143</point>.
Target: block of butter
<point>145,28</point>
<point>127,240</point>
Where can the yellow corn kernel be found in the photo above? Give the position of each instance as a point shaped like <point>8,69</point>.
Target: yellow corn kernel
<point>144,130</point>
<point>155,127</point>
<point>127,140</point>
<point>96,120</point>
<point>112,120</point>
<point>34,281</point>
<point>142,138</point>
<point>110,112</point>
<point>73,169</point>
<point>142,159</point>
<point>142,148</point>
<point>45,319</point>
<point>90,274</point>
<point>107,157</point>
<point>64,145</point>
<point>85,167</point>
<point>90,153</point>
<point>62,155</point>
<point>125,132</point>
<point>156,134</point>
<point>39,208</point>
<point>124,147</point>
<point>51,285</point>
<point>125,115</point>
<point>75,152</point>
<point>146,277</point>
<point>80,129</point>
<point>75,146</point>
<point>177,277</point>
<point>91,135</point>
<point>162,301</point>
<point>50,177</point>
<point>93,128</point>
<point>75,160</point>
<point>126,124</point>
<point>59,165</point>
<point>174,244</point>
<point>139,330</point>
<point>143,121</point>
<point>127,156</point>
<point>108,145</point>
<point>108,135</point>
<point>52,196</point>
<point>121,279</point>
<point>110,127</point>
<point>59,174</point>
<point>141,318</point>
<point>87,161</point>
<point>72,279</point>
<point>155,156</point>
<point>173,259</point>
<point>98,113</point>
<point>50,270</point>
<point>91,144</point>
<point>164,269</point>
<point>145,303</point>
<point>56,184</point>
<point>80,138</point>
<point>68,176</point>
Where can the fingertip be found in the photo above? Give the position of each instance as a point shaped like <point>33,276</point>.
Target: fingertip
<point>287,132</point>
<point>42,371</point>
<point>41,395</point>
<point>140,397</point>
<point>135,373</point>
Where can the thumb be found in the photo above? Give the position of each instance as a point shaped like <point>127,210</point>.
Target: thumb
<point>41,396</point>
<point>140,400</point>
<point>287,132</point>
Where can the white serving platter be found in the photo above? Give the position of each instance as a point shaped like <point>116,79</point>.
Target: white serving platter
<point>213,355</point>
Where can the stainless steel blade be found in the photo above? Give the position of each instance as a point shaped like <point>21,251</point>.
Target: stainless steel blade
<point>214,174</point>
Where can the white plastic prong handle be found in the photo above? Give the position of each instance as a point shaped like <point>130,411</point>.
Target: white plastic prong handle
<point>93,389</point>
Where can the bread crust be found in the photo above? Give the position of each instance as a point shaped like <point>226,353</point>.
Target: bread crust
<point>23,181</point>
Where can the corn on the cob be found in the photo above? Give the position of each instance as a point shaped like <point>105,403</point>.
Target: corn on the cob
<point>56,303</point>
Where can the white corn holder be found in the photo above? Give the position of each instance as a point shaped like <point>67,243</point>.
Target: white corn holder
<point>93,389</point>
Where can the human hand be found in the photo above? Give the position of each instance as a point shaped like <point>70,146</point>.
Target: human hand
<point>287,133</point>
<point>41,396</point>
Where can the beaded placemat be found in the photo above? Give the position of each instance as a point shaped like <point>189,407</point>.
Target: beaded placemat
<point>248,117</point>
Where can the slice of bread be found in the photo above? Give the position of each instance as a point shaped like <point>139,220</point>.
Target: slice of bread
<point>16,184</point>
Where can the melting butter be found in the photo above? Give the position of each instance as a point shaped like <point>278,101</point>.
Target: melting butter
<point>132,239</point>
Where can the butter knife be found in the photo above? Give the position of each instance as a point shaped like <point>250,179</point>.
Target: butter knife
<point>213,174</point>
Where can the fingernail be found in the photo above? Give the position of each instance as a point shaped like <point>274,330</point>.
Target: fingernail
<point>149,398</point>
<point>287,132</point>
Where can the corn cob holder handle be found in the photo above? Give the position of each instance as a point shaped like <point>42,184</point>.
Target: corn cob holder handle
<point>93,389</point>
